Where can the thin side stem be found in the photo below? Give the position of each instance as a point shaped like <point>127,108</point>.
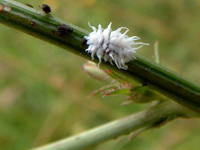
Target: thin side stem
<point>45,27</point>
<point>152,117</point>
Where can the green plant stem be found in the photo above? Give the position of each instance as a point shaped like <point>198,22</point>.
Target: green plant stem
<point>152,117</point>
<point>45,27</point>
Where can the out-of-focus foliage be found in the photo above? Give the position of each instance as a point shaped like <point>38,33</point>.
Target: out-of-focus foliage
<point>45,95</point>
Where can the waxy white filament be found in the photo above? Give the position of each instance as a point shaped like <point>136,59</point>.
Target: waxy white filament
<point>112,46</point>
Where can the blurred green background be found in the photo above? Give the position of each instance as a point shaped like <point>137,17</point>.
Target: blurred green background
<point>45,95</point>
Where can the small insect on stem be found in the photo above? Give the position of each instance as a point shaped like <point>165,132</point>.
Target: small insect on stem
<point>46,8</point>
<point>115,47</point>
<point>64,29</point>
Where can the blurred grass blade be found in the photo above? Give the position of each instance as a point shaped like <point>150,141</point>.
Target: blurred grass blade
<point>45,27</point>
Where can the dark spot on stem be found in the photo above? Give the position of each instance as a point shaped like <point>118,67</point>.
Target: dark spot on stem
<point>84,42</point>
<point>144,83</point>
<point>46,8</point>
<point>64,29</point>
<point>53,32</point>
<point>29,5</point>
<point>33,23</point>
<point>160,122</point>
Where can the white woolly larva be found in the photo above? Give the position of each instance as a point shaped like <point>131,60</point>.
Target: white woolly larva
<point>112,46</point>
